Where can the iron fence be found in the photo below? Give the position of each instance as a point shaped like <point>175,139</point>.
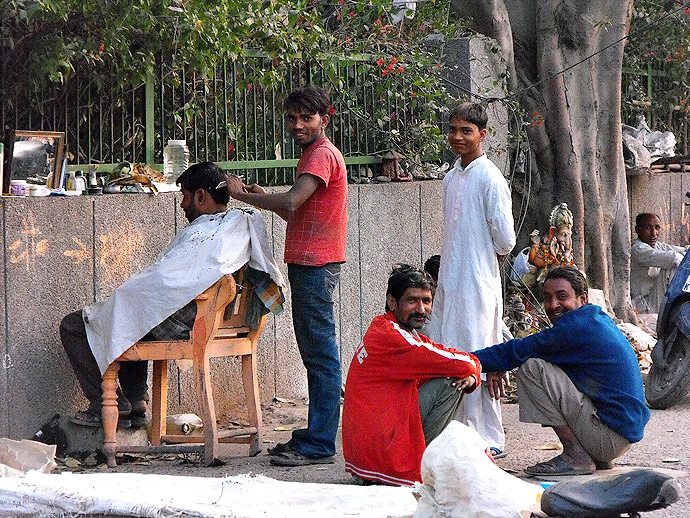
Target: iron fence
<point>223,116</point>
<point>652,95</point>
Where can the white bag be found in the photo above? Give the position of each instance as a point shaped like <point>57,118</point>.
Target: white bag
<point>461,481</point>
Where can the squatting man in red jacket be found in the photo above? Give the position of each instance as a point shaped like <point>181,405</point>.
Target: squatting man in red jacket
<point>402,389</point>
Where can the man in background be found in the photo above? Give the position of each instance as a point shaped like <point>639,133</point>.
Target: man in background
<point>652,264</point>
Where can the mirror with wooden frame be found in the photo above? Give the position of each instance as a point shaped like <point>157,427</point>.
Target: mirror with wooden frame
<point>33,155</point>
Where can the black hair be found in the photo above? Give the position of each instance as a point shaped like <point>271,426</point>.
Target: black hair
<point>309,100</point>
<point>571,274</point>
<point>642,216</point>
<point>404,277</point>
<point>432,265</point>
<point>206,176</point>
<point>471,112</point>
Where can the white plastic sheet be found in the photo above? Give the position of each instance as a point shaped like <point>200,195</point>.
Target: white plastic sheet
<point>242,496</point>
<point>19,457</point>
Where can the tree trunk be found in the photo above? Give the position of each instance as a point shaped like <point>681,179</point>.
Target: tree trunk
<point>575,138</point>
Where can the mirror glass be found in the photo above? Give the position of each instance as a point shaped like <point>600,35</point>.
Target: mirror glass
<point>34,155</point>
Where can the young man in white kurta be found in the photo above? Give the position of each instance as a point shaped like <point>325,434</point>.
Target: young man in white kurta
<point>477,233</point>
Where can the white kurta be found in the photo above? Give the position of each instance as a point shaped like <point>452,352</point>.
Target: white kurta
<point>198,256</point>
<point>468,305</point>
<point>651,270</point>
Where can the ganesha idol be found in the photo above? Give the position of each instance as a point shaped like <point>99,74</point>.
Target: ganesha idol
<point>555,248</point>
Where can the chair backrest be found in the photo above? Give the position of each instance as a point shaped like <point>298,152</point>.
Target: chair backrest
<point>234,320</point>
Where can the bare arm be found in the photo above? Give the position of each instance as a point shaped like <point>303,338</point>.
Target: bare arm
<point>282,203</point>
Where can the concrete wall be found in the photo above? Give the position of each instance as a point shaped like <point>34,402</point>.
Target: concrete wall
<point>60,254</point>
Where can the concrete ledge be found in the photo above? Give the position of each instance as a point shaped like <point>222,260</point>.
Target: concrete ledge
<point>61,254</point>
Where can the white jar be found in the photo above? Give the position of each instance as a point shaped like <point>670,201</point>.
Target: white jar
<point>175,159</point>
<point>18,187</point>
<point>35,190</point>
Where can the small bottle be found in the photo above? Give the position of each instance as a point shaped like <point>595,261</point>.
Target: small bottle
<point>175,159</point>
<point>79,182</point>
<point>69,184</point>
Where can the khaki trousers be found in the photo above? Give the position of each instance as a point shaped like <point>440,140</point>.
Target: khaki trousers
<point>548,397</point>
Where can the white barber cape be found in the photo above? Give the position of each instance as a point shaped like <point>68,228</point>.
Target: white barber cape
<point>198,256</point>
<point>468,305</point>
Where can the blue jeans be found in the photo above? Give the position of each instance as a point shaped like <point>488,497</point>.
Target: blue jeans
<point>312,290</point>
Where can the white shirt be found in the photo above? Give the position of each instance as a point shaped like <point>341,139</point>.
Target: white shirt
<point>651,270</point>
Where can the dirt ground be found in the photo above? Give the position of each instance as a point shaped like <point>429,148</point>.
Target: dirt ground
<point>665,446</point>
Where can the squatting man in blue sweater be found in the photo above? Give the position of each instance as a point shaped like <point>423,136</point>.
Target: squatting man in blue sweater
<point>579,377</point>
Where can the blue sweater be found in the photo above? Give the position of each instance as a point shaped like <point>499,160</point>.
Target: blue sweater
<point>595,355</point>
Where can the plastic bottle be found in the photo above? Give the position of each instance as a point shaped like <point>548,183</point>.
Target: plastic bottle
<point>79,182</point>
<point>69,184</point>
<point>175,159</point>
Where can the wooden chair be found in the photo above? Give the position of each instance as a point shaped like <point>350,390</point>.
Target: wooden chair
<point>220,330</point>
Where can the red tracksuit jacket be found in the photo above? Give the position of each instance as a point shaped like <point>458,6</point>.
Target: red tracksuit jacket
<point>382,431</point>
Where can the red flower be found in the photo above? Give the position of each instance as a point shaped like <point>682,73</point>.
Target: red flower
<point>231,148</point>
<point>101,48</point>
<point>413,94</point>
<point>401,69</point>
<point>331,110</point>
<point>379,61</point>
<point>391,66</point>
<point>394,60</point>
<point>384,71</point>
<point>351,14</point>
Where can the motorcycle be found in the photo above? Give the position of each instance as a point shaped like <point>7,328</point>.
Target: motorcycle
<point>668,380</point>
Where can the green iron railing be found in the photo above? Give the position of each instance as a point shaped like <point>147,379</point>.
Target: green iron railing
<point>647,94</point>
<point>223,116</point>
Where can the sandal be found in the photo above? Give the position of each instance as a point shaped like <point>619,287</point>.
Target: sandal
<point>497,453</point>
<point>556,467</point>
<point>89,419</point>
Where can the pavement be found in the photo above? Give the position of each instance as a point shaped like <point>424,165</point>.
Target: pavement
<point>665,448</point>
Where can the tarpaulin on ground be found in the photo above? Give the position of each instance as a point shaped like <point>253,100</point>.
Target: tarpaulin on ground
<point>241,496</point>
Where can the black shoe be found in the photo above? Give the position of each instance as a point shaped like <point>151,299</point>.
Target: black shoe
<point>280,447</point>
<point>292,458</point>
<point>138,421</point>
